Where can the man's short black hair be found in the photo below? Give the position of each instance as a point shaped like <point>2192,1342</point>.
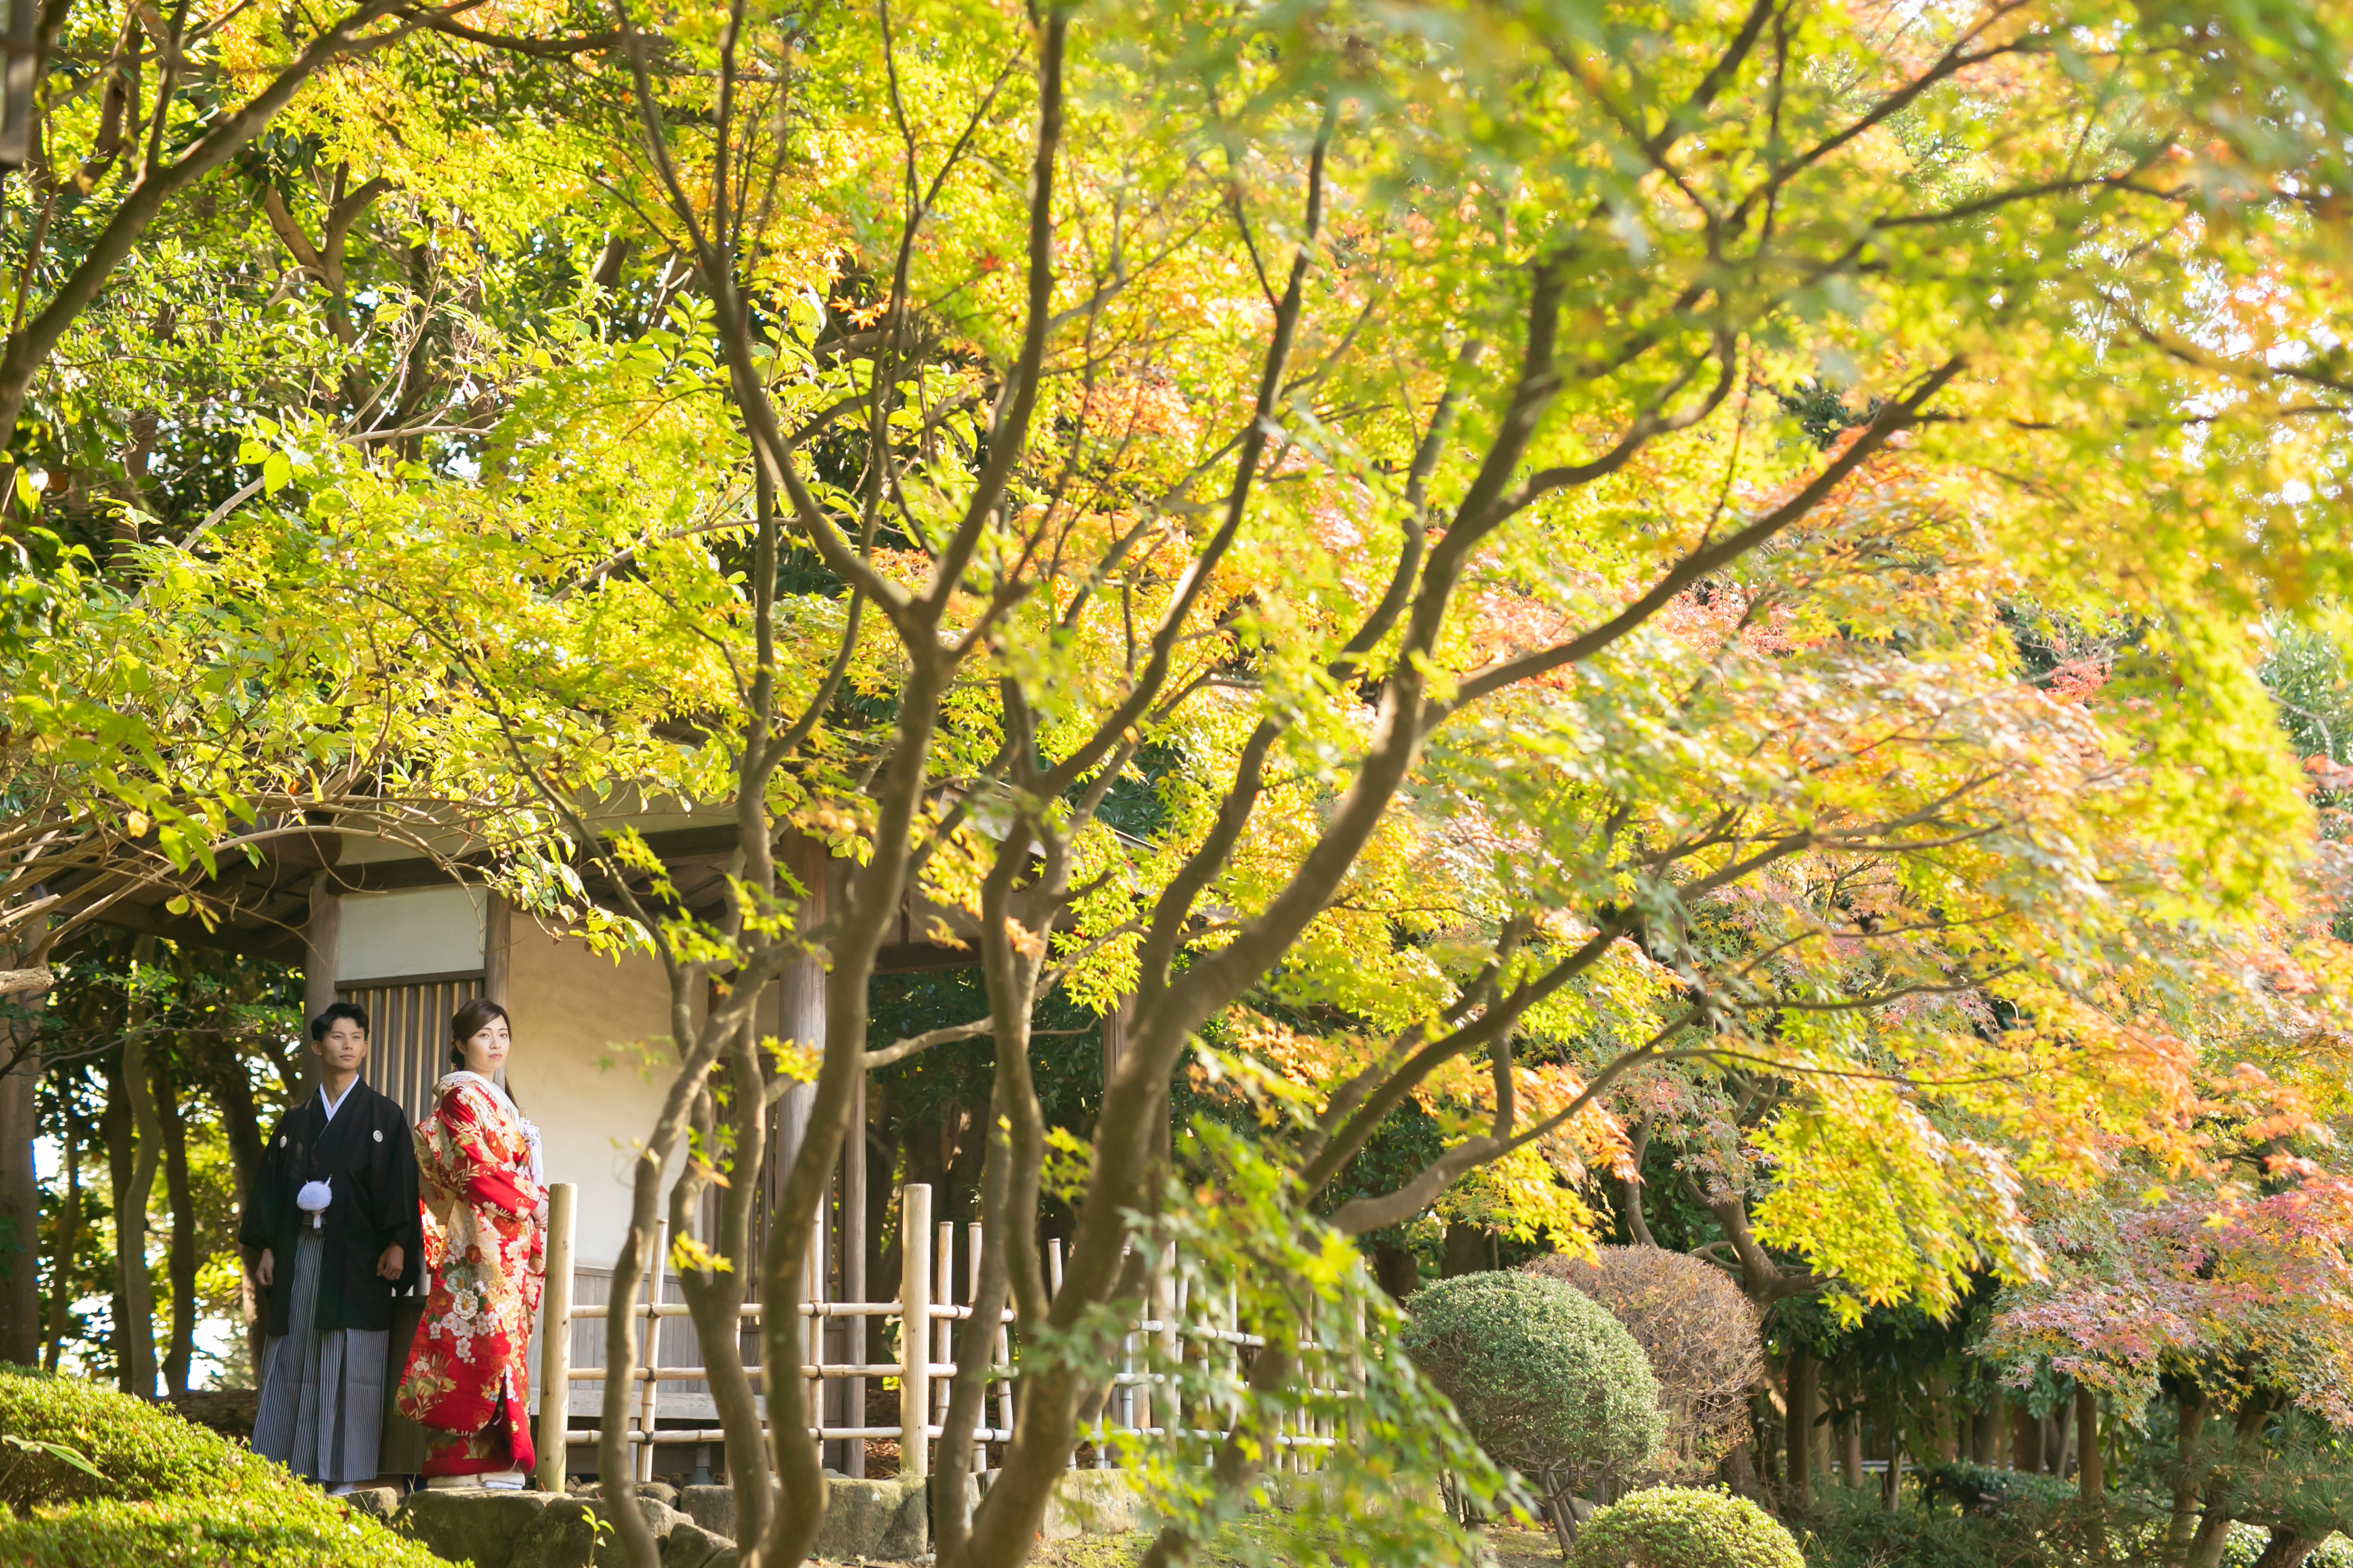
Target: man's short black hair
<point>326,1020</point>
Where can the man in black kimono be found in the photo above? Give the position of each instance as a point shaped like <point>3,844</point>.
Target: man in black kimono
<point>333,1218</point>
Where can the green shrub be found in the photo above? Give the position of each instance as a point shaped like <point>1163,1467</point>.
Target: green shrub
<point>1988,1488</point>
<point>1852,1529</point>
<point>1684,1527</point>
<point>142,1450</point>
<point>168,1494</point>
<point>1546,1380</point>
<point>294,1527</point>
<point>2035,1521</point>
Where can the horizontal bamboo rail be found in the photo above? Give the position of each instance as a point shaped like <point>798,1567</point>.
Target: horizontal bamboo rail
<point>926,1292</point>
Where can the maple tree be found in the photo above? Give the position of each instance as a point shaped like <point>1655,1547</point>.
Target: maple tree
<point>1367,437</point>
<point>1361,650</point>
<point>120,760</point>
<point>2209,1280</point>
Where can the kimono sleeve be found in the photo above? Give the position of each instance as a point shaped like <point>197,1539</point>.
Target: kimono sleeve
<point>398,1225</point>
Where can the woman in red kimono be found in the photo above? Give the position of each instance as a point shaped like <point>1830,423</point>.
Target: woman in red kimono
<point>468,1378</point>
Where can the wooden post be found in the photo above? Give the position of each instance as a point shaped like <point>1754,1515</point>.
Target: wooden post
<point>497,948</point>
<point>914,1329</point>
<point>556,1338</point>
<point>1114,1041</point>
<point>800,1018</point>
<point>322,946</point>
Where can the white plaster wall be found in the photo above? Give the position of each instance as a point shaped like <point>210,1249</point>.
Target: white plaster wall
<point>415,931</point>
<point>578,1072</point>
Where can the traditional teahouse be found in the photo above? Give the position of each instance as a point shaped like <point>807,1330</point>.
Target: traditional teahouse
<point>409,936</point>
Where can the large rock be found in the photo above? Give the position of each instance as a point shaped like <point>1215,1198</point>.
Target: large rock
<point>660,1520</point>
<point>660,1491</point>
<point>688,1545</point>
<point>1093,1503</point>
<point>473,1524</point>
<point>713,1508</point>
<point>564,1537</point>
<point>377,1503</point>
<point>886,1520</point>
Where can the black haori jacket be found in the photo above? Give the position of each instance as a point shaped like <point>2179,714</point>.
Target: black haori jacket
<point>366,1155</point>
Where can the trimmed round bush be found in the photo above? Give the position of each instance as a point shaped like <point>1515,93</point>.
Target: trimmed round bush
<point>1684,1527</point>
<point>168,1493</point>
<point>1700,1333</point>
<point>1546,1380</point>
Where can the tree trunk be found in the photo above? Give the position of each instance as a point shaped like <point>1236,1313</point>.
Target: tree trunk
<point>66,1241</point>
<point>2089,1480</point>
<point>115,1126</point>
<point>713,1296</point>
<point>1470,1250</point>
<point>1630,1188</point>
<point>135,1328</point>
<point>2214,1534</point>
<point>1850,1449</point>
<point>1740,1472</point>
<point>1946,1420</point>
<point>233,1093</point>
<point>2214,1528</point>
<point>20,1192</point>
<point>2181,1529</point>
<point>1891,1486</point>
<point>2287,1548</point>
<point>2062,1435</point>
<point>1987,1430</point>
<point>1396,1269</point>
<point>1804,1376</point>
<point>2025,1438</point>
<point>181,1264</point>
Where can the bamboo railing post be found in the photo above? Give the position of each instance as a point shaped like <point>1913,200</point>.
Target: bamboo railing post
<point>988,1342</point>
<point>1124,1391</point>
<point>914,1329</point>
<point>1234,1358</point>
<point>813,1339</point>
<point>1356,1375</point>
<point>858,1339</point>
<point>556,1338</point>
<point>1167,1406</point>
<point>942,1335</point>
<point>648,1418</point>
<point>1005,1378</point>
<point>1054,1288</point>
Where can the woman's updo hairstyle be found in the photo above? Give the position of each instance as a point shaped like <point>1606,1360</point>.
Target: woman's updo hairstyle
<point>469,1021</point>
